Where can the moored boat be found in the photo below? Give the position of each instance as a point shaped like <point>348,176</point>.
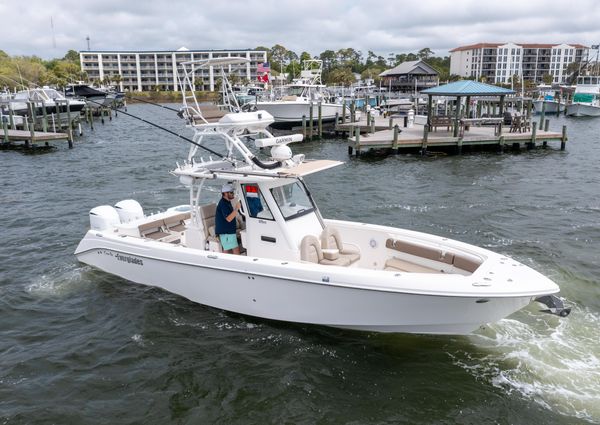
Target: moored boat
<point>300,96</point>
<point>44,100</point>
<point>586,99</point>
<point>92,96</point>
<point>548,101</point>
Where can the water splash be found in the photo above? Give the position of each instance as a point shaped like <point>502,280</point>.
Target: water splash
<point>61,281</point>
<point>551,361</point>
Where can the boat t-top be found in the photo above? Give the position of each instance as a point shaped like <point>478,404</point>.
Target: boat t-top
<point>296,265</point>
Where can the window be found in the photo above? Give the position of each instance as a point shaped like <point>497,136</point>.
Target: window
<point>257,206</point>
<point>293,200</point>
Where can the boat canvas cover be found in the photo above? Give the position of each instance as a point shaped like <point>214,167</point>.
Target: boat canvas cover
<point>583,97</point>
<point>309,167</point>
<point>86,91</point>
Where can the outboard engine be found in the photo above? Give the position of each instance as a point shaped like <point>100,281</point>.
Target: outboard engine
<point>129,210</point>
<point>104,217</point>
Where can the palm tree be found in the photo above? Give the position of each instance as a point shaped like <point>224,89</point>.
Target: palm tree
<point>118,79</point>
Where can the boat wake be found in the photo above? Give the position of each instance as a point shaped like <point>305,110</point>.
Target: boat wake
<point>552,362</point>
<point>62,281</point>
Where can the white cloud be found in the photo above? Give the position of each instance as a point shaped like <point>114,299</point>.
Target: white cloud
<point>381,26</point>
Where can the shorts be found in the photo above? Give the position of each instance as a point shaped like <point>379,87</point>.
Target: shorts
<point>228,241</point>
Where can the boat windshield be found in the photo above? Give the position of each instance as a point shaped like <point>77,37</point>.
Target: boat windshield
<point>53,94</point>
<point>292,200</point>
<point>296,90</point>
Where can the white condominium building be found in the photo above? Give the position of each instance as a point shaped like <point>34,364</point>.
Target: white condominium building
<point>149,70</point>
<point>498,62</point>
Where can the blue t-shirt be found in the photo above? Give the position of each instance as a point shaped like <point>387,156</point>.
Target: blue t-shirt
<point>222,226</point>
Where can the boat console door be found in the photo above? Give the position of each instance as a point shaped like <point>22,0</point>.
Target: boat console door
<point>277,218</point>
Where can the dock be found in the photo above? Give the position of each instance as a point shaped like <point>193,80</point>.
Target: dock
<point>32,137</point>
<point>401,139</point>
<point>369,124</point>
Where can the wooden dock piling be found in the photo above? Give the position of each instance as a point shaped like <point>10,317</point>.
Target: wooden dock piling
<point>310,121</point>
<point>543,115</point>
<point>320,119</point>
<point>531,143</point>
<point>5,131</point>
<point>44,118</point>
<point>304,126</point>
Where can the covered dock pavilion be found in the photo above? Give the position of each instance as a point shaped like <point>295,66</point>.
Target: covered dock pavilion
<point>458,129</point>
<point>465,89</point>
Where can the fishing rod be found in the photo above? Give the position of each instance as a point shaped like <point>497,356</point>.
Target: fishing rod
<point>253,158</point>
<point>187,139</point>
<point>152,103</point>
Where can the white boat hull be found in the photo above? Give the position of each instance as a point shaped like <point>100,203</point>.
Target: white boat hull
<point>291,112</point>
<point>583,110</point>
<point>369,300</point>
<point>548,106</point>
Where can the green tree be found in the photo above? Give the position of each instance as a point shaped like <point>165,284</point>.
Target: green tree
<point>278,57</point>
<point>547,78</point>
<point>341,76</point>
<point>305,56</point>
<point>381,62</point>
<point>117,79</point>
<point>371,57</point>
<point>424,53</point>
<point>372,73</point>
<point>349,58</point>
<point>329,60</point>
<point>293,69</point>
<point>72,56</point>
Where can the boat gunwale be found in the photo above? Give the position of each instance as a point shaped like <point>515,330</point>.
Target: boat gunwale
<point>317,268</point>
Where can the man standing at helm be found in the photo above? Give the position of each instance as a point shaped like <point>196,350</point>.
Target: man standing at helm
<point>225,223</point>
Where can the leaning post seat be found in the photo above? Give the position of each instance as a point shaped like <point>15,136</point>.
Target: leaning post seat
<point>332,239</point>
<point>310,251</point>
<point>208,213</point>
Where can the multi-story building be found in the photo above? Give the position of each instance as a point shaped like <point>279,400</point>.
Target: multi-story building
<point>498,62</point>
<point>149,70</point>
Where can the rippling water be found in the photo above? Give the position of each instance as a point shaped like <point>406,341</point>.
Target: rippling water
<point>81,346</point>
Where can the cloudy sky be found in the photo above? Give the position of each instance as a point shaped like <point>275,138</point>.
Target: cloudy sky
<point>49,28</point>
